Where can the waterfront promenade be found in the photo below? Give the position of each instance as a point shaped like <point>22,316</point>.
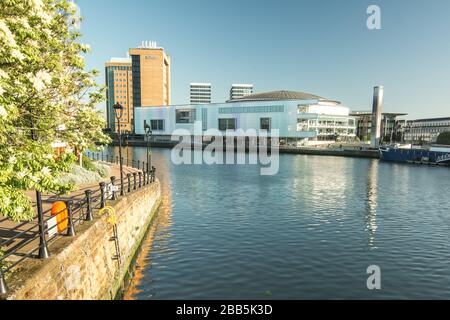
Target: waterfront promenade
<point>21,241</point>
<point>9,229</point>
<point>334,149</point>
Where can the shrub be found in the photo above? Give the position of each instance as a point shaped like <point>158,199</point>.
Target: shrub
<point>79,175</point>
<point>444,138</point>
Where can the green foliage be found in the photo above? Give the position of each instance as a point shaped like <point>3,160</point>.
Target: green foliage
<point>444,138</point>
<point>45,97</point>
<point>94,166</point>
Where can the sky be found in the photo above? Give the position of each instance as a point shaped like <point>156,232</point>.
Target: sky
<point>321,47</point>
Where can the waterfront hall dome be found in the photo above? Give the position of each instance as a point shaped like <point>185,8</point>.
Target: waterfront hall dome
<point>281,95</point>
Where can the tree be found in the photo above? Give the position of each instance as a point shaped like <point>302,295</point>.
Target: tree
<point>444,138</point>
<point>45,96</point>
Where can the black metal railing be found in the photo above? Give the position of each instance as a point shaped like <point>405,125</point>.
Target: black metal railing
<point>31,239</point>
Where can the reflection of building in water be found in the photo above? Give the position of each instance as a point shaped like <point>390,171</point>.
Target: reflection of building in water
<point>160,230</point>
<point>372,202</point>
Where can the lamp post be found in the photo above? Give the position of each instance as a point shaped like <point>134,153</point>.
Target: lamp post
<point>148,134</point>
<point>118,111</point>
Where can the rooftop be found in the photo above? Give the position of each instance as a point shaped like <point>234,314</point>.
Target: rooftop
<point>280,96</point>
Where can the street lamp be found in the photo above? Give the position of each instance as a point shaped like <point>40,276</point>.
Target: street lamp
<point>148,134</point>
<point>118,111</point>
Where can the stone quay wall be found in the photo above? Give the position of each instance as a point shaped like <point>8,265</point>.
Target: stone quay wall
<point>87,267</point>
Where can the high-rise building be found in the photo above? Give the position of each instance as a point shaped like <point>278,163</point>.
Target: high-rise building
<point>240,90</point>
<point>151,75</point>
<point>143,80</point>
<point>200,93</point>
<point>119,83</point>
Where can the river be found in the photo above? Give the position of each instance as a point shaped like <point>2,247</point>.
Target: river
<point>309,232</point>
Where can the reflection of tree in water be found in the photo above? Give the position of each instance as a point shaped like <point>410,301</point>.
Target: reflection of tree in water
<point>372,202</point>
<point>160,228</point>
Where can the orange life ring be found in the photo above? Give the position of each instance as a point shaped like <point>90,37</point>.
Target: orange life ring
<point>59,209</point>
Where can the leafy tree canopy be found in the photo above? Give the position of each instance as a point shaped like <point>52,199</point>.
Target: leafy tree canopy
<point>46,96</point>
<point>444,138</point>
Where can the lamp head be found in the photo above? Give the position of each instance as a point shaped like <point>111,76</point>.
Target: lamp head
<point>118,110</point>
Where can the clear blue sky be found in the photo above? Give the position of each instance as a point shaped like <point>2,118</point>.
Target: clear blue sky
<point>317,46</point>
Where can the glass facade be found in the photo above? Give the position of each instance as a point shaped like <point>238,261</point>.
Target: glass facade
<point>258,109</point>
<point>227,124</point>
<point>136,71</point>
<point>185,116</point>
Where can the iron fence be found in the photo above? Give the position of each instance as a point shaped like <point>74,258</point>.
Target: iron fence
<point>31,239</point>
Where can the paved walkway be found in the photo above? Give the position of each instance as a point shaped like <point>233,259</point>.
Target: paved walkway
<point>9,229</point>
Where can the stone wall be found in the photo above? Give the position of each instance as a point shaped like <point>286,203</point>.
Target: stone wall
<point>86,267</point>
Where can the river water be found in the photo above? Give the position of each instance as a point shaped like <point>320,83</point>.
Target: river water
<point>311,231</point>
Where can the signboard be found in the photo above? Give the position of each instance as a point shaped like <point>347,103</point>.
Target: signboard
<point>52,227</point>
<point>443,158</point>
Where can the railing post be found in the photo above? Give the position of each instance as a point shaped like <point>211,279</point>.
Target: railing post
<point>113,180</point>
<point>3,287</point>
<point>70,228</point>
<point>140,179</point>
<point>144,177</point>
<point>134,177</point>
<point>98,156</point>
<point>129,182</point>
<point>102,195</point>
<point>139,165</point>
<point>102,156</point>
<point>43,248</point>
<point>153,173</point>
<point>89,216</point>
<point>117,159</point>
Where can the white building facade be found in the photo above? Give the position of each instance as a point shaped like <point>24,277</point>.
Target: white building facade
<point>240,90</point>
<point>299,118</point>
<point>426,130</point>
<point>200,93</point>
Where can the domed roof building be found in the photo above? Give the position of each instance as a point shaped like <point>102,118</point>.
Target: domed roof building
<point>297,118</point>
<point>281,95</point>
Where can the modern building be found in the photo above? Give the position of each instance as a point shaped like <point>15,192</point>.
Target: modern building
<point>141,80</point>
<point>151,75</point>
<point>200,93</point>
<point>426,130</point>
<point>391,127</point>
<point>240,90</point>
<point>301,118</point>
<point>119,85</point>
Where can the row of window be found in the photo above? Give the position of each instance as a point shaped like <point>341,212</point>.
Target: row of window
<point>223,125</point>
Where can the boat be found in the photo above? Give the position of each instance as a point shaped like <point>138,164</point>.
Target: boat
<point>434,155</point>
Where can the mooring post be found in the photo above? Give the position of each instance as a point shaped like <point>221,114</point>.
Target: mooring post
<point>70,228</point>
<point>102,195</point>
<point>129,182</point>
<point>43,248</point>
<point>3,287</point>
<point>89,216</point>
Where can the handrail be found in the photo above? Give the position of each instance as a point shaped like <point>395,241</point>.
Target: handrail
<point>80,209</point>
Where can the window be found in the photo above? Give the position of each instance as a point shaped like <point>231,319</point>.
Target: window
<point>265,124</point>
<point>157,125</point>
<point>227,124</point>
<point>185,116</point>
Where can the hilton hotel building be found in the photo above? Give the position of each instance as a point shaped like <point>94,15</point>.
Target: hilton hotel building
<point>143,80</point>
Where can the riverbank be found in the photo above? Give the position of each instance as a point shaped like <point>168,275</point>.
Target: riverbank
<point>336,152</point>
<point>95,262</point>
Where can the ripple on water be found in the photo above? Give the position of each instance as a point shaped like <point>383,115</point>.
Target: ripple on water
<point>309,232</point>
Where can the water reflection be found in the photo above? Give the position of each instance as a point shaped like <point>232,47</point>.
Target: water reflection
<point>372,203</point>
